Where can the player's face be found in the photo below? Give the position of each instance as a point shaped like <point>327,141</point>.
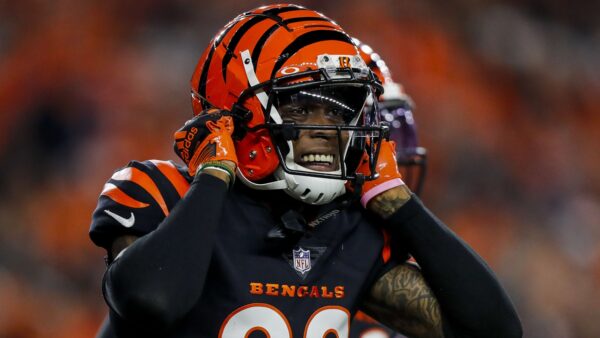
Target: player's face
<point>316,149</point>
<point>319,149</point>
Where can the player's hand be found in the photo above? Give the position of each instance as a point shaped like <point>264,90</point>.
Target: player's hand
<point>205,142</point>
<point>388,192</point>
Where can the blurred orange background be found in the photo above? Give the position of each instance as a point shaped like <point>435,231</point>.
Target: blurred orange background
<point>507,95</point>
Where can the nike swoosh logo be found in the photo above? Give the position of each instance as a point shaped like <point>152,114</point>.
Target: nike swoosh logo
<point>126,222</point>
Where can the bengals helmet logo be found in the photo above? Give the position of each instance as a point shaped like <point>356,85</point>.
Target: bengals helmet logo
<point>344,62</point>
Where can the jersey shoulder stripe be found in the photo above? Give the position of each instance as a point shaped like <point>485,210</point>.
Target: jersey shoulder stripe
<point>164,181</point>
<point>136,199</point>
<point>176,175</point>
<point>165,196</point>
<point>386,252</point>
<point>116,194</point>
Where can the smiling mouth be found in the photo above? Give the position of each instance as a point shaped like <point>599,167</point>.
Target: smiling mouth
<point>318,162</point>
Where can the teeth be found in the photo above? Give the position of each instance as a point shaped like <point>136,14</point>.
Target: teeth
<point>318,158</point>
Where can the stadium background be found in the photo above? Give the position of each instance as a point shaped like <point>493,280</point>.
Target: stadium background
<point>507,97</point>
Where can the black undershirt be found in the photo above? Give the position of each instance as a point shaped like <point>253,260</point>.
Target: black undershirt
<point>159,278</point>
<point>150,287</point>
<point>472,301</point>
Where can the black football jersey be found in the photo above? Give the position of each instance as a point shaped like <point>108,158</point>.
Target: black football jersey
<point>305,285</point>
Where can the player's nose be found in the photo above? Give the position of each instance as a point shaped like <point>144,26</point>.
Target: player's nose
<point>318,116</point>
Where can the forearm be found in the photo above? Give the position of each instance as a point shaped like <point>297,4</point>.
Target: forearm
<point>160,276</point>
<point>469,294</point>
<point>402,300</point>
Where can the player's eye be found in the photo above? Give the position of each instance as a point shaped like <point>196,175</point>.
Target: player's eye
<point>336,112</point>
<point>299,111</point>
<point>294,113</point>
<point>337,115</point>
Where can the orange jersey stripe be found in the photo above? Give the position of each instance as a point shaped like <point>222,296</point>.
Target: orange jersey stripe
<point>114,193</point>
<point>143,180</point>
<point>173,175</point>
<point>364,317</point>
<point>386,252</point>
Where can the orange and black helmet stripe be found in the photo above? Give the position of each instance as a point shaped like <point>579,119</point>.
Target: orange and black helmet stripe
<point>235,32</point>
<point>261,41</point>
<point>270,13</point>
<point>306,40</point>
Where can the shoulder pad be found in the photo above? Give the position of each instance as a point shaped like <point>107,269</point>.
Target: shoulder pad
<point>136,199</point>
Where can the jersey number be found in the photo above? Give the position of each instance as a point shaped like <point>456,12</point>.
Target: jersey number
<point>270,321</point>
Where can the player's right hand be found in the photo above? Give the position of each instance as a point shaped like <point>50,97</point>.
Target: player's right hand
<point>205,140</point>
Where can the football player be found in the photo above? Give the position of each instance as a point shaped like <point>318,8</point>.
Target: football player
<point>290,212</point>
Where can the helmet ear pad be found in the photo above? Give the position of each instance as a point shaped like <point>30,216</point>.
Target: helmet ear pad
<point>257,156</point>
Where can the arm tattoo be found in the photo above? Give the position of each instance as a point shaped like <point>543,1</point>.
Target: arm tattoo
<point>402,300</point>
<point>386,203</point>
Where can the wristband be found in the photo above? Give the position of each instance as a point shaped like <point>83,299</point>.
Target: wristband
<point>220,167</point>
<point>378,189</point>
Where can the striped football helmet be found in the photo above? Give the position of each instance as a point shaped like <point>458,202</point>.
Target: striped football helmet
<point>278,55</point>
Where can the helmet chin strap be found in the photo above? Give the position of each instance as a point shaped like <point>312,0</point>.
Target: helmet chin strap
<point>309,189</point>
<point>274,185</point>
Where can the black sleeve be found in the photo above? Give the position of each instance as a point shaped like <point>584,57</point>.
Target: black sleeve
<point>106,330</point>
<point>472,300</point>
<point>158,279</point>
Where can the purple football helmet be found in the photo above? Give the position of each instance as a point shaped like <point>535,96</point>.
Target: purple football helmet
<point>412,159</point>
<point>396,108</point>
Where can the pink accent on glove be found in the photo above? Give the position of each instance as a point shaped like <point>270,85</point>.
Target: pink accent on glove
<point>379,189</point>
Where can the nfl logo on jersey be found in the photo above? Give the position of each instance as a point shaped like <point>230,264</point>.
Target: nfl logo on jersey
<point>301,260</point>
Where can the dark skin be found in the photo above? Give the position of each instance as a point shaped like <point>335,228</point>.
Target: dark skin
<point>315,141</point>
<point>401,298</point>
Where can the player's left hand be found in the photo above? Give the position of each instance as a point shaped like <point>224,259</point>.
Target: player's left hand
<point>386,193</point>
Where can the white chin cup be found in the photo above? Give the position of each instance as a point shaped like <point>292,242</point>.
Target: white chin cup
<point>310,189</point>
